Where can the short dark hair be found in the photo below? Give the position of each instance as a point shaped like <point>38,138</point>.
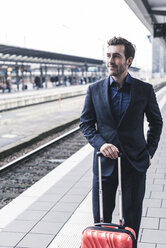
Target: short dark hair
<point>129,47</point>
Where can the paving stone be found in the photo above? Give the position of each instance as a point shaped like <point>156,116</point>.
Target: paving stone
<point>162,165</point>
<point>59,217</point>
<point>153,175</point>
<point>66,241</point>
<point>155,188</point>
<point>10,238</point>
<point>139,235</point>
<point>147,194</point>
<point>47,228</point>
<point>161,170</point>
<point>6,246</point>
<point>57,191</point>
<point>65,183</point>
<point>151,223</point>
<point>149,181</point>
<point>144,211</point>
<point>152,203</point>
<point>83,167</point>
<point>74,173</point>
<point>35,241</point>
<point>164,204</point>
<point>158,195</point>
<point>160,181</point>
<point>87,177</point>
<point>50,198</point>
<point>151,169</point>
<point>31,215</point>
<point>145,245</point>
<point>20,226</point>
<point>83,184</point>
<point>72,198</point>
<point>82,218</point>
<point>65,207</point>
<point>156,212</point>
<point>79,191</point>
<point>154,236</point>
<point>162,224</point>
<point>41,206</point>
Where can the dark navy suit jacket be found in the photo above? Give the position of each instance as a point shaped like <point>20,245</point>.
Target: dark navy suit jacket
<point>98,125</point>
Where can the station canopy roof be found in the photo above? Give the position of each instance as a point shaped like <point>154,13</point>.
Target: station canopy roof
<point>150,12</point>
<point>25,55</point>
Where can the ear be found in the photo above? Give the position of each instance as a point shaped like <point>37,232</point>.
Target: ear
<point>129,61</point>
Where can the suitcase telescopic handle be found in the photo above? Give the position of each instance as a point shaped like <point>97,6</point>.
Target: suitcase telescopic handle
<point>110,225</point>
<point>99,154</point>
<point>121,219</point>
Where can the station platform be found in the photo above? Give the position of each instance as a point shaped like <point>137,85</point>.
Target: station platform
<point>54,211</point>
<point>34,96</point>
<point>24,125</point>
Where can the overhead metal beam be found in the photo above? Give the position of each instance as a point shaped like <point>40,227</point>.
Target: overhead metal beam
<point>149,14</point>
<point>148,8</point>
<point>158,12</point>
<point>21,55</point>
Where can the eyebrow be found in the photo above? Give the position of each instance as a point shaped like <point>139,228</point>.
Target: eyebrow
<point>114,53</point>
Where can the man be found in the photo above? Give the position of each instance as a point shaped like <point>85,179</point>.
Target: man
<point>112,121</point>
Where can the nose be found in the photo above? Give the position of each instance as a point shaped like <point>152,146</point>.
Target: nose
<point>111,60</point>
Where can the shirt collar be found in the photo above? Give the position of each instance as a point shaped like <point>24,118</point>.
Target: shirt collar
<point>127,79</point>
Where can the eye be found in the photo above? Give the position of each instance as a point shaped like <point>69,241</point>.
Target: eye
<point>116,55</point>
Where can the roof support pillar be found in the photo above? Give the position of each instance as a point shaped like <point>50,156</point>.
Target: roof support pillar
<point>41,75</point>
<point>46,81</point>
<point>62,68</point>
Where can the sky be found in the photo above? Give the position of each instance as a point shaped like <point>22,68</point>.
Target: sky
<point>75,27</point>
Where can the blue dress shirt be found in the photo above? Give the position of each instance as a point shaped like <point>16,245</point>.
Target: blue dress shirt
<point>120,98</point>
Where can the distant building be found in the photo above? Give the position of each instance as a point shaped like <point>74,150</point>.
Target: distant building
<point>134,71</point>
<point>158,58</point>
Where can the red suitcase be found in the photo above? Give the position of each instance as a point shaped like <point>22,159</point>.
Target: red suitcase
<point>104,235</point>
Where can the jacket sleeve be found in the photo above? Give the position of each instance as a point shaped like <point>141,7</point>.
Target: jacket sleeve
<point>88,123</point>
<point>155,123</point>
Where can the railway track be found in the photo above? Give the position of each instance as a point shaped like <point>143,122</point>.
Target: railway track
<point>20,174</point>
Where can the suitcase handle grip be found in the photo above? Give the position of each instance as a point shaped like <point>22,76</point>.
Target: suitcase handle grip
<point>99,154</point>
<point>109,225</point>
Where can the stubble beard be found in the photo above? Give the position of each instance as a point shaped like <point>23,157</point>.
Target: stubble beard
<point>118,71</point>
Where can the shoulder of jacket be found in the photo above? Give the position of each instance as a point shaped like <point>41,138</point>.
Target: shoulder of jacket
<point>143,84</point>
<point>97,83</point>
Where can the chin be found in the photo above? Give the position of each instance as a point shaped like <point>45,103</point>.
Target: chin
<point>111,73</point>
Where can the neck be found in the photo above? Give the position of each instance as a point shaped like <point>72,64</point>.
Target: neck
<point>120,79</point>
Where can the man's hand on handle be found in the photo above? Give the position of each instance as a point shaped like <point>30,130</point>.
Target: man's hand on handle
<point>109,151</point>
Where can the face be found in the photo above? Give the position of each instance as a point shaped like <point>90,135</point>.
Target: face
<point>116,61</point>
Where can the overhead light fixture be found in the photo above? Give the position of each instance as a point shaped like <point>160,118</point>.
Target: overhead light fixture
<point>159,30</point>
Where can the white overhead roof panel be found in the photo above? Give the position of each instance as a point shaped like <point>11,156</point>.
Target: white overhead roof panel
<point>150,12</point>
<point>141,12</point>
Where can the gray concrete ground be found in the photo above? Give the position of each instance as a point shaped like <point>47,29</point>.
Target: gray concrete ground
<point>153,227</point>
